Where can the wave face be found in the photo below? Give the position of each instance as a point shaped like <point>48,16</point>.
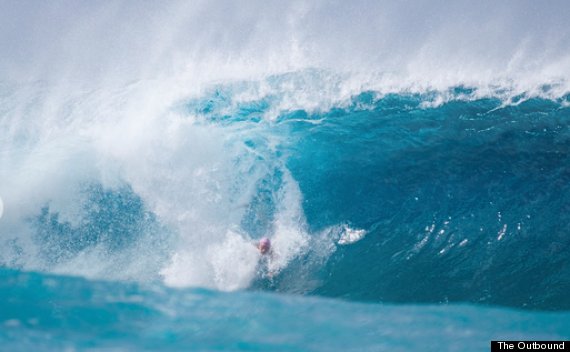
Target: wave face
<point>458,201</point>
<point>464,201</point>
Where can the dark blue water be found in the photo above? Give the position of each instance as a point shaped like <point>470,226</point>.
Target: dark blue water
<point>468,201</point>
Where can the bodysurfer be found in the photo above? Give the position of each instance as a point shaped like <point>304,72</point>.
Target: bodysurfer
<point>264,246</point>
<point>267,255</point>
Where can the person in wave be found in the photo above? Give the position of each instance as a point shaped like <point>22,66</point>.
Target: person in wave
<point>264,246</point>
<point>267,255</point>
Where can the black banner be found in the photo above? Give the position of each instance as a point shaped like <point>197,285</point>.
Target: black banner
<point>502,346</point>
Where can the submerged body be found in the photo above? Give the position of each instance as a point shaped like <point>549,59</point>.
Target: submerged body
<point>267,256</point>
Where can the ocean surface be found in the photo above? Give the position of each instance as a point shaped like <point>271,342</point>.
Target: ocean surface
<point>415,201</point>
<point>55,313</point>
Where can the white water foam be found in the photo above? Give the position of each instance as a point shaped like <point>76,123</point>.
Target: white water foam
<point>195,177</point>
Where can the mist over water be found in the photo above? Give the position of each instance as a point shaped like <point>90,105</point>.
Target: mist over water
<point>425,43</point>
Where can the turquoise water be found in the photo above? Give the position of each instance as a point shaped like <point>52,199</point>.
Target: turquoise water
<point>46,313</point>
<point>465,201</point>
<point>410,162</point>
<point>461,209</point>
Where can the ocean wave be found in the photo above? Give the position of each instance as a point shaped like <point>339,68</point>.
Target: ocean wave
<point>431,177</point>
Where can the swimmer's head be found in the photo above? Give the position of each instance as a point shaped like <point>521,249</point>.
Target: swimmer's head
<point>264,245</point>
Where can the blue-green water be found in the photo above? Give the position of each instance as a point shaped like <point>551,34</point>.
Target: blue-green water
<point>461,207</point>
<point>464,201</point>
<point>47,313</point>
<point>408,160</point>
